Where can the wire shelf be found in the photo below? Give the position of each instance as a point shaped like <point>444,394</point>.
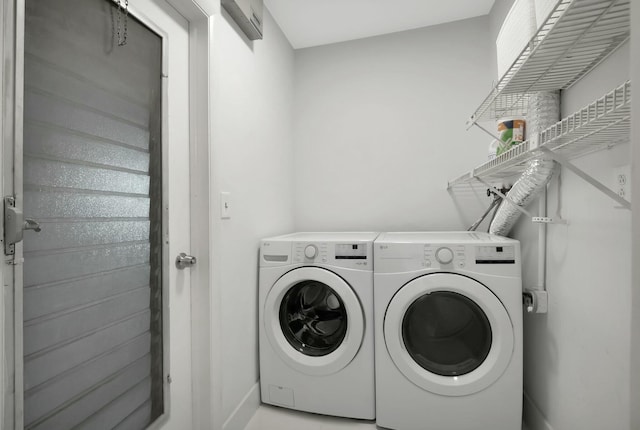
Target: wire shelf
<point>576,36</point>
<point>602,124</point>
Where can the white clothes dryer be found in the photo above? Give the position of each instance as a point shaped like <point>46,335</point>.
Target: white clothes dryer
<point>316,323</point>
<point>448,323</point>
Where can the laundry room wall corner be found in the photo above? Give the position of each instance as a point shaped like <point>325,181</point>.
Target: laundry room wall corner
<point>252,159</point>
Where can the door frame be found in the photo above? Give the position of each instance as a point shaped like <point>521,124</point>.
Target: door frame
<point>205,303</point>
<point>12,18</point>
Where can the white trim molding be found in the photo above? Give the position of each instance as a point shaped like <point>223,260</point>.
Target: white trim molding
<point>635,223</point>
<point>243,413</point>
<point>533,417</point>
<point>205,300</point>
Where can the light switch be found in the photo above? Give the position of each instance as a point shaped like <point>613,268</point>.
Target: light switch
<point>225,205</point>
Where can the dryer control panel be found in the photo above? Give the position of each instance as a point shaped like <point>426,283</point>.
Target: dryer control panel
<point>450,257</point>
<point>504,254</point>
<point>443,255</point>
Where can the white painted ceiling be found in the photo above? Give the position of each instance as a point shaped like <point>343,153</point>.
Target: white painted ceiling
<point>309,23</point>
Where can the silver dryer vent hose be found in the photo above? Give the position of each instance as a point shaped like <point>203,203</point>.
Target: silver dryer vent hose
<point>535,177</point>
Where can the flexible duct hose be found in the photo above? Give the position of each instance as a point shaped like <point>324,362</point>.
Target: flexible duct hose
<point>544,111</point>
<point>535,177</point>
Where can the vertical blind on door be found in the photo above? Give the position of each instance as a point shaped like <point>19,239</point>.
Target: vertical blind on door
<point>92,276</point>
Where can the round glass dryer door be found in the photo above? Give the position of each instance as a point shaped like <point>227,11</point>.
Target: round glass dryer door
<point>314,320</point>
<point>448,334</point>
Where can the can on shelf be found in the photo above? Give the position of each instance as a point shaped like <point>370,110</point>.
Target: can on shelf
<point>511,133</point>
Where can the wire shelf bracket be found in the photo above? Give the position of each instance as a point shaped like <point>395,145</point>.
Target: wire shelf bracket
<point>564,161</point>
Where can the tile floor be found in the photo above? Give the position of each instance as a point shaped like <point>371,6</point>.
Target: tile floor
<point>274,418</point>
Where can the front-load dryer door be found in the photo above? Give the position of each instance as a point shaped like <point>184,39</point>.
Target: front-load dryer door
<point>314,320</point>
<point>448,334</point>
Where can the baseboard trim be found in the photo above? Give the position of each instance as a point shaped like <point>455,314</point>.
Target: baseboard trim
<point>243,413</point>
<point>533,418</point>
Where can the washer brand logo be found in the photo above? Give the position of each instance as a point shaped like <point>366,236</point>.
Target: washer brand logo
<point>384,246</point>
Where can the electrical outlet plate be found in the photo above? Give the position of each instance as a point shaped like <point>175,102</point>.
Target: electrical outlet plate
<point>536,301</point>
<point>622,181</point>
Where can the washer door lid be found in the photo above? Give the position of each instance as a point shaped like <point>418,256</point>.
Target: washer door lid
<point>308,287</point>
<point>467,334</point>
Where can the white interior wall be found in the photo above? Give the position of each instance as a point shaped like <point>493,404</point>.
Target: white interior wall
<point>379,128</point>
<point>635,190</point>
<point>252,159</point>
<point>577,356</point>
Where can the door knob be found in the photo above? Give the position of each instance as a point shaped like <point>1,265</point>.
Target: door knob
<point>183,261</point>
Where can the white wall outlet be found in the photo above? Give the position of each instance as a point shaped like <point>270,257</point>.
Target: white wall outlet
<point>225,205</point>
<point>622,181</point>
<point>536,301</point>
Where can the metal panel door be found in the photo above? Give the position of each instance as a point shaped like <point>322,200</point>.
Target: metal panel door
<point>100,158</point>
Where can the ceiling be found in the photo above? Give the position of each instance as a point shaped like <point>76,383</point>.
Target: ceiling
<point>309,23</point>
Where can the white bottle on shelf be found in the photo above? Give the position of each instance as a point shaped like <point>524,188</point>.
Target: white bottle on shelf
<point>493,148</point>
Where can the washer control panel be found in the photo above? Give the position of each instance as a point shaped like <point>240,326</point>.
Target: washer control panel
<point>343,254</point>
<point>351,251</point>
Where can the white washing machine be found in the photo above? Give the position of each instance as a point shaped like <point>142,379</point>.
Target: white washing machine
<point>316,323</point>
<point>448,323</point>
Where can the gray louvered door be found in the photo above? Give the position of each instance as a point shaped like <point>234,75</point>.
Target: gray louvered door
<point>92,179</point>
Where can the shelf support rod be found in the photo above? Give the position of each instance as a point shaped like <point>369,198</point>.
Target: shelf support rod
<point>586,177</point>
<point>505,197</point>
<point>542,242</point>
<point>536,298</point>
<point>485,130</point>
